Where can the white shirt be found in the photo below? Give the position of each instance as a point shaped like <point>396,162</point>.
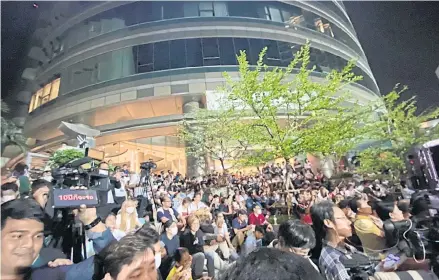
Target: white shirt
<point>223,231</point>
<point>110,198</point>
<point>193,207</point>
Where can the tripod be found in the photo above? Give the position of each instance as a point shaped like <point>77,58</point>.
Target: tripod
<point>145,184</point>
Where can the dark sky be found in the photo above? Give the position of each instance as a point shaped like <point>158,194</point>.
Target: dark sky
<point>401,42</point>
<point>400,39</point>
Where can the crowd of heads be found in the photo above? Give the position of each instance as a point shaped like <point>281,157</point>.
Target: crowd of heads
<point>280,221</point>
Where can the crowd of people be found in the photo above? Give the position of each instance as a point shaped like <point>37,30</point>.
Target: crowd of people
<point>284,221</point>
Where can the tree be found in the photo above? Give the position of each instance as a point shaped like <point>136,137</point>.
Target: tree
<point>213,133</point>
<point>11,134</point>
<point>289,113</point>
<point>399,125</point>
<point>61,157</point>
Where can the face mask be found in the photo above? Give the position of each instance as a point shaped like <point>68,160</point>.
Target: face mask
<point>130,210</point>
<point>7,198</point>
<point>157,260</point>
<point>174,231</point>
<point>103,172</point>
<point>48,178</point>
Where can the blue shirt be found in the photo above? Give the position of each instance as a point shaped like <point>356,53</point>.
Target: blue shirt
<point>237,224</point>
<point>251,244</point>
<point>167,214</point>
<point>171,245</point>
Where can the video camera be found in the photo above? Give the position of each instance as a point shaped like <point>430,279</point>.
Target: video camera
<point>148,165</point>
<point>74,174</point>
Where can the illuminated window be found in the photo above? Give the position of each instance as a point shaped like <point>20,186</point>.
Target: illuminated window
<point>48,92</point>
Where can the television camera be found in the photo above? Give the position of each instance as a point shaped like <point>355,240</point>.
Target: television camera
<point>415,238</point>
<point>80,172</point>
<point>422,162</point>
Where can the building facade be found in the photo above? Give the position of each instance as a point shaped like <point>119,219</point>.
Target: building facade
<point>133,69</point>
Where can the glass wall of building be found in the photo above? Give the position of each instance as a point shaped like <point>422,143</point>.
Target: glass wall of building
<point>146,11</point>
<point>196,52</point>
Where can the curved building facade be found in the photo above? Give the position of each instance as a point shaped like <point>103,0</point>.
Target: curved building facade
<point>133,69</point>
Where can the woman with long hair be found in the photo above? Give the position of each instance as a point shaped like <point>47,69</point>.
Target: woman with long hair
<point>127,220</point>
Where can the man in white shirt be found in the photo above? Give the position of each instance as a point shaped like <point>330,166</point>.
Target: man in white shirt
<point>196,204</point>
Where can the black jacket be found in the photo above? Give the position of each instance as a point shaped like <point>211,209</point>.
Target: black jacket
<point>194,243</point>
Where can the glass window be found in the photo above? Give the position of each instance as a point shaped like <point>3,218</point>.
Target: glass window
<point>275,14</point>
<point>243,9</point>
<point>206,9</point>
<point>286,15</point>
<point>227,51</point>
<point>241,44</point>
<point>45,94</point>
<point>45,97</point>
<point>145,54</point>
<point>272,49</point>
<point>55,89</point>
<point>256,46</point>
<point>173,9</point>
<point>178,54</point>
<point>190,9</point>
<point>32,101</point>
<point>210,51</point>
<point>194,53</point>
<point>161,55</point>
<point>220,9</point>
<point>286,52</point>
<point>210,48</point>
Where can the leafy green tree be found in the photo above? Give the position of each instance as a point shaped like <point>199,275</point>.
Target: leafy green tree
<point>11,134</point>
<point>288,113</point>
<point>61,157</point>
<point>399,125</point>
<point>213,133</point>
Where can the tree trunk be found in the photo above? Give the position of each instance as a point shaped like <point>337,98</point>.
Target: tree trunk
<point>287,175</point>
<point>222,164</point>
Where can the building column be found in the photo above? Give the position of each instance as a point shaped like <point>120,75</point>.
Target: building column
<point>195,165</point>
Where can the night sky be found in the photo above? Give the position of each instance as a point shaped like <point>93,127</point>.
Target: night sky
<point>400,39</point>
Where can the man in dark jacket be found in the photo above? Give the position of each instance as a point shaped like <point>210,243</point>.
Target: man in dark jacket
<point>22,239</point>
<point>107,198</point>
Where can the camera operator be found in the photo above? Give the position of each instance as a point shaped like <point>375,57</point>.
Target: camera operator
<point>22,239</point>
<point>107,198</point>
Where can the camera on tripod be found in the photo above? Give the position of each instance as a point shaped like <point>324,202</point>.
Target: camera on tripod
<point>74,174</point>
<point>148,165</point>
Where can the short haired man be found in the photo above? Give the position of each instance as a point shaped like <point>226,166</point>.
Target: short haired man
<point>368,228</point>
<point>197,204</point>
<point>22,239</point>
<point>133,257</point>
<point>332,225</point>
<point>240,228</point>
<point>253,241</point>
<point>40,191</point>
<point>167,213</point>
<point>9,191</point>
